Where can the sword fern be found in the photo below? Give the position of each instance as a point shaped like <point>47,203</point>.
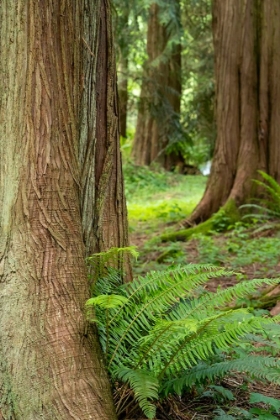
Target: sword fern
<point>158,331</point>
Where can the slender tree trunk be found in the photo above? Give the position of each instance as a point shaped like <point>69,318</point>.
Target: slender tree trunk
<point>123,44</point>
<point>247,45</point>
<point>159,106</point>
<point>122,25</point>
<point>61,197</point>
<point>123,94</point>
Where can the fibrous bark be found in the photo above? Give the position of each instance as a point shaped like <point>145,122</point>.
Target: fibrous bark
<point>104,215</point>
<point>123,94</point>
<point>123,47</point>
<point>61,198</point>
<point>159,107</point>
<point>247,66</point>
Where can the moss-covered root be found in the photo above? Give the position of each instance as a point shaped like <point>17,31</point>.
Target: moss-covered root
<point>185,234</point>
<point>226,216</point>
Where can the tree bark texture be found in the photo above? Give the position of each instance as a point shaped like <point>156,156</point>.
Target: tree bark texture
<point>159,106</point>
<point>124,44</point>
<point>104,215</point>
<point>61,198</point>
<point>123,94</point>
<point>247,66</point>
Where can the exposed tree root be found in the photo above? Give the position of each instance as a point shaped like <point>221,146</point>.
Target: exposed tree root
<point>226,216</point>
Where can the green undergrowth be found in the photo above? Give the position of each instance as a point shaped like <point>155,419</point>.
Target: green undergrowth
<point>158,199</point>
<point>238,249</point>
<point>156,196</point>
<point>223,220</point>
<point>164,335</point>
<point>249,247</point>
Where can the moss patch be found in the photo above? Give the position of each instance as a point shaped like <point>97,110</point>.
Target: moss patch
<point>221,221</point>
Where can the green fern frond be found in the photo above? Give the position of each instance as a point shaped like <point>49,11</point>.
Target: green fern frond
<point>271,190</point>
<point>107,301</point>
<point>157,292</point>
<point>168,336</point>
<point>269,207</point>
<point>259,367</point>
<point>256,398</point>
<point>257,207</point>
<point>263,212</point>
<point>107,263</point>
<point>165,336</point>
<point>108,282</point>
<point>144,385</point>
<point>208,303</point>
<point>203,346</point>
<point>157,327</point>
<point>154,281</point>
<point>271,181</point>
<point>113,253</point>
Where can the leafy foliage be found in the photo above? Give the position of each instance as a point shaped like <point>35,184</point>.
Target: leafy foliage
<point>259,367</point>
<point>237,249</point>
<point>266,209</point>
<point>107,262</point>
<point>191,132</point>
<point>261,412</point>
<point>198,82</point>
<point>145,386</point>
<point>161,331</point>
<point>264,408</point>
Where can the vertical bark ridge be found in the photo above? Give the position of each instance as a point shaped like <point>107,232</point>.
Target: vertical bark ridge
<point>228,101</point>
<point>104,209</point>
<point>249,113</point>
<point>272,21</point>
<point>246,39</point>
<point>50,363</point>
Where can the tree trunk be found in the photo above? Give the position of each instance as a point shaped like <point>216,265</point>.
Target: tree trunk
<point>104,215</point>
<point>123,93</point>
<point>159,107</point>
<point>61,198</point>
<point>247,66</point>
<point>123,46</point>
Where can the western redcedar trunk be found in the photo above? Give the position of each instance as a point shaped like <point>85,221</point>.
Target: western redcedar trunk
<point>247,67</point>
<point>159,106</point>
<point>123,94</point>
<point>123,46</point>
<point>61,198</point>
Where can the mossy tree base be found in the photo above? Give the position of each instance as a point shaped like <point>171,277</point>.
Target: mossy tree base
<point>220,221</point>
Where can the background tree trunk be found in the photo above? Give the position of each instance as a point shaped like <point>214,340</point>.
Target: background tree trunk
<point>61,197</point>
<point>123,93</point>
<point>159,107</point>
<point>123,46</point>
<point>247,67</point>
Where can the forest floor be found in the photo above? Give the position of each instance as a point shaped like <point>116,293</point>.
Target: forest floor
<point>158,202</point>
<point>251,255</point>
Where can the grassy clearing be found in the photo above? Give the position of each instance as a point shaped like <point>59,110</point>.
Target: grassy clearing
<point>158,199</point>
<point>156,196</point>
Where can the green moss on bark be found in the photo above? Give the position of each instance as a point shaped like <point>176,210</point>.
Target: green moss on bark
<point>227,215</point>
